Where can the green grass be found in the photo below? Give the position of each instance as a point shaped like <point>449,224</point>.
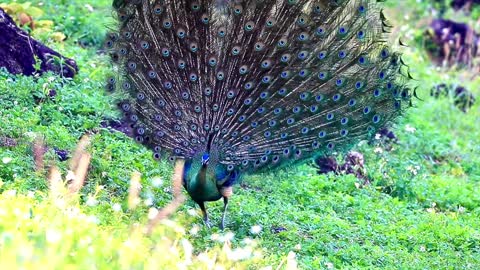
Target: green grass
<point>421,211</point>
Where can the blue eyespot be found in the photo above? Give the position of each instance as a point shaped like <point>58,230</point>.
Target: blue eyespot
<point>320,31</point>
<point>362,60</point>
<point>384,53</point>
<point>243,70</point>
<point>361,9</point>
<point>381,75</point>
<point>361,34</point>
<point>358,85</point>
<point>168,85</point>
<point>330,145</point>
<point>181,33</point>
<point>249,26</point>
<point>366,110</point>
<point>302,55</point>
<point>167,24</point>
<point>322,55</point>
<point>322,75</point>
<point>158,10</point>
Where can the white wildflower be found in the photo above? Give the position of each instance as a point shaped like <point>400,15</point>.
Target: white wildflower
<point>329,265</point>
<point>256,229</point>
<point>70,176</point>
<point>229,236</point>
<point>91,201</point>
<point>93,219</point>
<point>188,249</point>
<point>240,254</point>
<point>157,181</point>
<point>378,136</point>
<point>422,248</point>
<point>53,236</point>
<point>215,237</point>
<point>148,201</point>
<point>152,212</point>
<point>194,230</point>
<point>378,150</point>
<point>89,7</point>
<point>248,241</point>
<point>192,212</point>
<point>413,170</point>
<point>11,193</point>
<point>410,129</point>
<point>291,261</point>
<point>6,160</point>
<point>116,207</point>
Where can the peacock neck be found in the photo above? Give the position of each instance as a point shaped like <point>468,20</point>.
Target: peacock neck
<point>201,188</point>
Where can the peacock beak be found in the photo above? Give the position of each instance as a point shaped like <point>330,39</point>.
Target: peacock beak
<point>205,159</point>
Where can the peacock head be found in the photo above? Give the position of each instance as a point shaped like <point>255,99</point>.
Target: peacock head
<point>202,176</point>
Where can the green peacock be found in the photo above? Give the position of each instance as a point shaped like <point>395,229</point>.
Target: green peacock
<point>228,88</point>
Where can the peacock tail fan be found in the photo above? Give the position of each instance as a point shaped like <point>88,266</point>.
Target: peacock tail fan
<point>259,84</point>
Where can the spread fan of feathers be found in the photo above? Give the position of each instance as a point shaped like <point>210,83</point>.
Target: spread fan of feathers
<point>243,86</point>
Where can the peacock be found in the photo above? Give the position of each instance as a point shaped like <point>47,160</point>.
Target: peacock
<point>226,88</point>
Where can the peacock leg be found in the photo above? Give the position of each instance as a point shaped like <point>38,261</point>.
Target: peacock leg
<point>225,204</point>
<point>205,215</point>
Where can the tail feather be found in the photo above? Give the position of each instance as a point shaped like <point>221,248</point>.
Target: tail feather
<point>260,82</point>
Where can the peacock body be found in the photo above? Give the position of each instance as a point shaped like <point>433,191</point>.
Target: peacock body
<point>235,87</point>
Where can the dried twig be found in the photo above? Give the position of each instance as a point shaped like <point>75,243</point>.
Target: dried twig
<point>178,197</point>
<point>134,191</point>
<point>79,165</point>
<point>38,153</point>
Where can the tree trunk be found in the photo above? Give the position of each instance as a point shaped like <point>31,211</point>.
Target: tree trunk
<point>19,51</point>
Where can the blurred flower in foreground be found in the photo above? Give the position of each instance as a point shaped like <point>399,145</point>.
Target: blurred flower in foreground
<point>256,229</point>
<point>410,129</point>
